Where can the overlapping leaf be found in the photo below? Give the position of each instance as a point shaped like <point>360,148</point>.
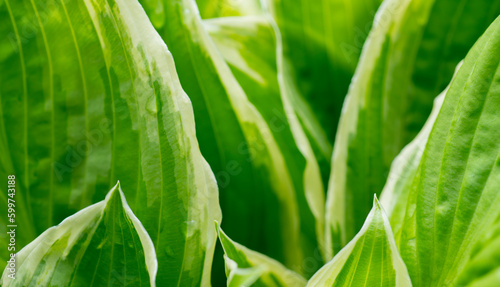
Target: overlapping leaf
<point>89,94</point>
<point>101,245</point>
<point>407,61</point>
<point>252,47</point>
<point>403,169</point>
<point>454,195</point>
<point>245,267</point>
<point>395,194</point>
<point>270,183</point>
<point>370,259</point>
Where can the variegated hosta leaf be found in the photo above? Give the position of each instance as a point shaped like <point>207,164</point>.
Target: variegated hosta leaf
<point>408,59</point>
<point>250,268</point>
<point>251,46</point>
<point>455,193</point>
<point>257,41</point>
<point>370,259</point>
<point>89,95</point>
<point>101,245</point>
<point>323,41</point>
<point>271,191</point>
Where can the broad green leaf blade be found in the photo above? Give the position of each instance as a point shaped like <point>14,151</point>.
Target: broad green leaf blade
<point>408,59</point>
<point>454,195</point>
<point>370,259</point>
<point>323,41</point>
<point>90,97</point>
<point>269,272</point>
<point>102,245</point>
<point>260,169</point>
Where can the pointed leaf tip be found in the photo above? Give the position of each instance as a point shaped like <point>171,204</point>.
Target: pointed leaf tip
<point>247,264</point>
<point>217,225</point>
<point>374,247</point>
<point>376,202</point>
<point>115,196</point>
<point>80,239</point>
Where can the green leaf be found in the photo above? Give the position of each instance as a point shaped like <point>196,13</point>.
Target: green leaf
<point>270,184</point>
<point>323,41</point>
<point>253,268</point>
<point>454,195</point>
<point>370,259</point>
<point>408,59</point>
<point>103,245</point>
<point>89,95</point>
